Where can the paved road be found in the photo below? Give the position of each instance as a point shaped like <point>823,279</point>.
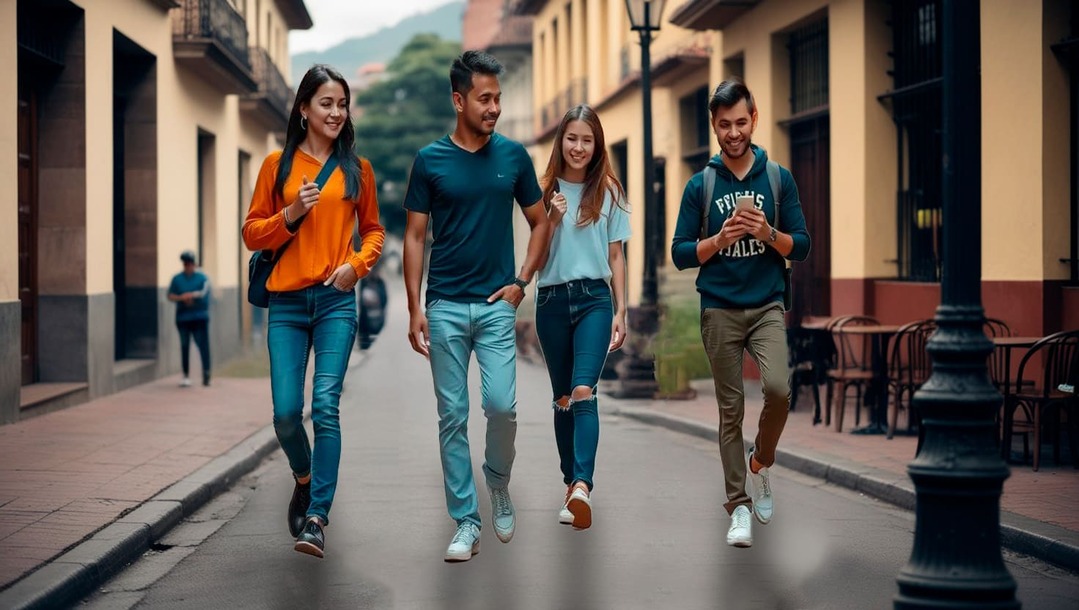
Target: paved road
<point>657,540</point>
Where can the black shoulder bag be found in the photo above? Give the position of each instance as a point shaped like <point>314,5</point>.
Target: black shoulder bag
<point>262,262</point>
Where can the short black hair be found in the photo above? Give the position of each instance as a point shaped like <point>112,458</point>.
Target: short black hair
<point>728,93</point>
<point>469,63</point>
<point>187,256</point>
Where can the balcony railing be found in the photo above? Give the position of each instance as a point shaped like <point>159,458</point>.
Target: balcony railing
<point>273,100</point>
<point>211,37</point>
<point>553,111</point>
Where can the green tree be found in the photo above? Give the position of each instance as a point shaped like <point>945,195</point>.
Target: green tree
<point>402,114</point>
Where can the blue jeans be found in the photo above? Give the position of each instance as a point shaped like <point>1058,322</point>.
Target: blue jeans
<point>457,330</point>
<point>573,322</point>
<point>322,318</point>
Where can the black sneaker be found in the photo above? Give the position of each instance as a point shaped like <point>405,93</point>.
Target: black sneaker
<point>311,540</point>
<point>297,508</point>
<point>206,379</point>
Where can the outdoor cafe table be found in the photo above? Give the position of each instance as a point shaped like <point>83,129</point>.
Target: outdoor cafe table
<point>879,334</point>
<point>1007,344</point>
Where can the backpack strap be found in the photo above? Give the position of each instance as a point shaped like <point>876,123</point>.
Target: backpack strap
<point>709,175</point>
<point>777,195</point>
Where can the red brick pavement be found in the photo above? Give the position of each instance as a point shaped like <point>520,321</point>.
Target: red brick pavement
<point>1049,495</point>
<point>67,474</point>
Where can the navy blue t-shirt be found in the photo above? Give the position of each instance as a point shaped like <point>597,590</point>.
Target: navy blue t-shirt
<point>198,283</point>
<point>469,197</point>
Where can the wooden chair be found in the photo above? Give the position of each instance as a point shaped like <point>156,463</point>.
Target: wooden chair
<point>854,367</point>
<point>909,367</point>
<point>1052,388</point>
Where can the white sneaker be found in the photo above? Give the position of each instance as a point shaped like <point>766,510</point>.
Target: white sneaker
<point>502,513</point>
<point>465,543</point>
<point>564,516</point>
<point>740,533</point>
<point>761,493</point>
<point>185,383</point>
<point>580,506</point>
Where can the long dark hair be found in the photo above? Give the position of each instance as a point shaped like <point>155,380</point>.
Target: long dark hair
<point>599,176</point>
<point>318,75</point>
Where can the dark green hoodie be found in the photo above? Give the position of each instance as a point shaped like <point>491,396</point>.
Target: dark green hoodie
<point>749,274</point>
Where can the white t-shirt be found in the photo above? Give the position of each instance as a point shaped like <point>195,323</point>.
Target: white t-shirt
<point>581,253</point>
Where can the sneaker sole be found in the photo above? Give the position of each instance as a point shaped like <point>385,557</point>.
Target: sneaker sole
<point>761,519</point>
<point>464,557</point>
<point>582,513</point>
<point>741,544</point>
<point>565,520</point>
<point>504,537</point>
<point>308,549</point>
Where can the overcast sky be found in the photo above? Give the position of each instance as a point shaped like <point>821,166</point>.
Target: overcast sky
<point>336,20</point>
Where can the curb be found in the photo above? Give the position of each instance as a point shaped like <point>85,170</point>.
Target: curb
<point>75,574</point>
<point>71,576</point>
<point>1044,541</point>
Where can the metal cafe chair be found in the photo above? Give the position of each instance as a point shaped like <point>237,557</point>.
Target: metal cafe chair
<point>854,367</point>
<point>909,366</point>
<point>1045,385</point>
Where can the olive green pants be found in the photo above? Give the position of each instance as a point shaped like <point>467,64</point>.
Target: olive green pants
<point>727,335</point>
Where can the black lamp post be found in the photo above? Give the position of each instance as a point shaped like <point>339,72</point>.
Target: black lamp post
<point>958,472</point>
<point>636,371</point>
<point>644,18</point>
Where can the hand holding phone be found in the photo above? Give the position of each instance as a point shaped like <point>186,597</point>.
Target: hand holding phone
<point>744,202</point>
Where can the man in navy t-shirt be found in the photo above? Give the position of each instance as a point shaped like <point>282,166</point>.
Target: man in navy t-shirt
<point>464,185</point>
<point>190,290</point>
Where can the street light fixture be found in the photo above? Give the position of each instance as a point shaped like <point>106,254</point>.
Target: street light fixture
<point>958,473</point>
<point>645,17</point>
<point>637,372</point>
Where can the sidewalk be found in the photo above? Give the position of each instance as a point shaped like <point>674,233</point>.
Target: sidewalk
<point>86,490</point>
<point>1038,515</point>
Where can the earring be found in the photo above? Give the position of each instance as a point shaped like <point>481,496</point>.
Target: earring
<point>303,122</point>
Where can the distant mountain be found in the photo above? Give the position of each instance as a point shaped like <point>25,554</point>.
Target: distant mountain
<point>383,45</point>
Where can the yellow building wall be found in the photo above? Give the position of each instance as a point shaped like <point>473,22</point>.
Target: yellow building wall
<point>186,105</point>
<point>9,151</point>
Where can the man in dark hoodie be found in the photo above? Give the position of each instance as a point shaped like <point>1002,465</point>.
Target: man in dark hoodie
<point>741,281</point>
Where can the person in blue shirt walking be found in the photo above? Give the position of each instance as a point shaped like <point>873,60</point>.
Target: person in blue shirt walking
<point>579,317</point>
<point>190,290</point>
<point>465,184</point>
<point>741,282</point>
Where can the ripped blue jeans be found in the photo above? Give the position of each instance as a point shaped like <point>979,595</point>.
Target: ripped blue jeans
<point>573,322</point>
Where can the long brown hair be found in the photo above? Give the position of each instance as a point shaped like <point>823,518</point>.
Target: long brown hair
<point>599,176</point>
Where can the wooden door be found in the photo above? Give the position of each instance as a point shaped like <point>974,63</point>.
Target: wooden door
<point>27,153</point>
<point>810,153</point>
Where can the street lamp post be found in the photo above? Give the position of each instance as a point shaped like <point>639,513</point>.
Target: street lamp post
<point>637,374</point>
<point>958,473</point>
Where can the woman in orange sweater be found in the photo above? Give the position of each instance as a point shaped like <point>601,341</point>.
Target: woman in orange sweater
<point>312,304</point>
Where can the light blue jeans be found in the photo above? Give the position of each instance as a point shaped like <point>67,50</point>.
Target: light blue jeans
<point>322,318</point>
<point>457,330</point>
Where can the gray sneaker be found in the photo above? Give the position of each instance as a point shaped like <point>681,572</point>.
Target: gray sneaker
<point>503,513</point>
<point>465,543</point>
<point>760,490</point>
<point>740,533</point>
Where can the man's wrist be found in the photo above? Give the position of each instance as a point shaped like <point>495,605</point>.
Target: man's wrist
<point>521,283</point>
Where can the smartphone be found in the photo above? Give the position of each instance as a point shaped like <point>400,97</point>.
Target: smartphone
<point>744,202</point>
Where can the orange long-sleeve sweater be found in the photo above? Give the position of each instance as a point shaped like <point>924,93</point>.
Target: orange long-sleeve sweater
<point>324,240</point>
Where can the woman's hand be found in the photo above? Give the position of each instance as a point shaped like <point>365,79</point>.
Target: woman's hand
<point>558,209</point>
<point>305,200</point>
<point>618,332</point>
<point>343,278</point>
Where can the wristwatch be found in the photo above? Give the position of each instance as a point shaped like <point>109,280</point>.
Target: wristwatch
<point>772,235</point>
<point>520,283</point>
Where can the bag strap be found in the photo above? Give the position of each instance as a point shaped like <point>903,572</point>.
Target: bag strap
<point>709,175</point>
<point>777,195</point>
<point>320,181</point>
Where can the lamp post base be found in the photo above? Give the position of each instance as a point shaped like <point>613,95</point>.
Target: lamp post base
<point>636,369</point>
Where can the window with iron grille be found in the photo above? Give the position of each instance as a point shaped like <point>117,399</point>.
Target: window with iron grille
<point>696,129</point>
<point>1068,52</point>
<point>916,99</point>
<point>809,67</point>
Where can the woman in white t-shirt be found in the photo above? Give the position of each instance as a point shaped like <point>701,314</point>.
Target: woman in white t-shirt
<point>580,301</point>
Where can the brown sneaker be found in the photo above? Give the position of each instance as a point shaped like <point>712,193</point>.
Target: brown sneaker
<point>580,505</point>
